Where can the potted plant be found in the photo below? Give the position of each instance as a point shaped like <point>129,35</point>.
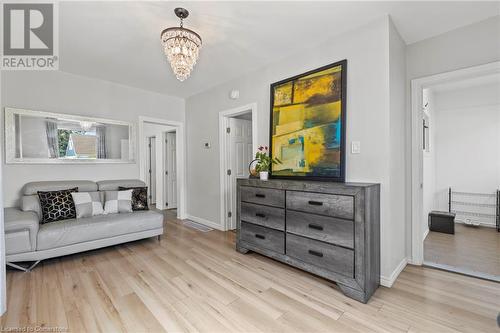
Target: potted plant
<point>264,162</point>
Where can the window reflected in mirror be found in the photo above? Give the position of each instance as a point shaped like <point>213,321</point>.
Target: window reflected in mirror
<point>41,137</point>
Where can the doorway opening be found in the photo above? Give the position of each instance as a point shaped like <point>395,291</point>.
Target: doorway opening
<point>170,186</point>
<point>238,142</point>
<point>151,168</point>
<point>162,163</point>
<point>456,171</point>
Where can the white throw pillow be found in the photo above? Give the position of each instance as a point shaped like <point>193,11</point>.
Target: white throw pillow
<point>87,204</point>
<point>118,202</point>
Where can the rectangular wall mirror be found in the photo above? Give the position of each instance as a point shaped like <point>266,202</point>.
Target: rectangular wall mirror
<point>44,137</point>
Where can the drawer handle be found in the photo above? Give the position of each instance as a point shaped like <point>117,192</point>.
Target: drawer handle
<point>316,253</point>
<point>260,236</point>
<point>315,203</point>
<point>316,227</point>
<point>260,215</point>
<point>258,195</point>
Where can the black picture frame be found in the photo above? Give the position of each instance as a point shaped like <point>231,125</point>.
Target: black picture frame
<point>343,78</point>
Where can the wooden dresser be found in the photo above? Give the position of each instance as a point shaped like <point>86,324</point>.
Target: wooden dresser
<point>328,229</point>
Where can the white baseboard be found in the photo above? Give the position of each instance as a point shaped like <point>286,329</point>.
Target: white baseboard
<point>425,234</point>
<point>389,281</point>
<point>481,224</point>
<point>206,222</point>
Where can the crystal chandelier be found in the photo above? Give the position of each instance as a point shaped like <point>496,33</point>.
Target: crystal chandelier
<point>182,47</point>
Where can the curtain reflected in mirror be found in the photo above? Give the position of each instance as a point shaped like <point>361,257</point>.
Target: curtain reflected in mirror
<point>38,136</point>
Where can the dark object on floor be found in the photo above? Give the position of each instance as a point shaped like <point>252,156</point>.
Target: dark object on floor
<point>442,222</point>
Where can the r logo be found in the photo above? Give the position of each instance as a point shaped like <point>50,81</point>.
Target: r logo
<point>28,29</point>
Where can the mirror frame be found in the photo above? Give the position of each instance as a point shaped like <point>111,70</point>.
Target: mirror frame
<point>10,138</point>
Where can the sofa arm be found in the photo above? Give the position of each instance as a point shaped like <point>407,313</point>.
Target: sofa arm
<point>16,221</point>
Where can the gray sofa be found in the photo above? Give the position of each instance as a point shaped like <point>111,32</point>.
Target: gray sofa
<point>28,240</point>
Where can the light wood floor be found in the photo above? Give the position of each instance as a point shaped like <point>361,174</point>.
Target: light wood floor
<point>193,281</point>
<point>476,250</point>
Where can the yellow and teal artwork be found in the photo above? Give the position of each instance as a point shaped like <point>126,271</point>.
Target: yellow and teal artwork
<point>308,124</point>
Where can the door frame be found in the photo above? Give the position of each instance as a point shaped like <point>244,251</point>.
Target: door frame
<point>181,159</point>
<point>166,164</point>
<point>150,151</point>
<point>225,190</point>
<point>417,86</point>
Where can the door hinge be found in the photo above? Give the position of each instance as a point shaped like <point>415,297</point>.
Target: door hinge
<point>149,145</point>
<point>229,214</point>
<point>149,170</point>
<point>166,141</point>
<point>228,130</point>
<point>166,172</point>
<point>166,204</point>
<point>229,172</point>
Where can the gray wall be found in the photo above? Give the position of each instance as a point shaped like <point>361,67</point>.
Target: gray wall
<point>374,117</point>
<point>61,92</point>
<point>468,46</point>
<point>397,167</point>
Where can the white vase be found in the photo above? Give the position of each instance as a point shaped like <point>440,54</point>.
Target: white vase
<point>264,175</point>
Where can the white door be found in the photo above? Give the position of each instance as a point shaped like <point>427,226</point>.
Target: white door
<point>171,172</point>
<point>151,169</point>
<point>240,155</point>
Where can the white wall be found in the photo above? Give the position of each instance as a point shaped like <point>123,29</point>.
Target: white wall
<point>468,46</point>
<point>62,92</point>
<point>429,171</point>
<point>393,234</point>
<point>468,140</point>
<point>370,109</point>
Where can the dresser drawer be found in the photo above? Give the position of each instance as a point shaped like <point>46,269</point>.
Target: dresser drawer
<point>324,256</point>
<point>262,237</point>
<point>263,196</point>
<point>323,228</point>
<point>326,204</point>
<point>266,216</point>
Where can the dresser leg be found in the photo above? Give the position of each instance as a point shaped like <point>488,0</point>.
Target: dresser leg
<point>353,293</point>
<point>241,249</point>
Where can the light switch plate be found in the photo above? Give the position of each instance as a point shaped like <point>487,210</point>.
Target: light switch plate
<point>356,147</point>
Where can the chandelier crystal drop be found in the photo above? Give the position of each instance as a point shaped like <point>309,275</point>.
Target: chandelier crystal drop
<point>182,47</point>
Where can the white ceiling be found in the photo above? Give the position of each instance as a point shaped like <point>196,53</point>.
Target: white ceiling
<point>120,41</point>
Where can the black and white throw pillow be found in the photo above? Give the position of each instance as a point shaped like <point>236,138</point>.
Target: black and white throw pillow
<point>57,205</point>
<point>118,202</point>
<point>139,197</point>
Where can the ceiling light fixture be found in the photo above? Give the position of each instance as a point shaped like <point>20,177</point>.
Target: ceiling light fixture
<point>182,47</point>
<point>86,125</point>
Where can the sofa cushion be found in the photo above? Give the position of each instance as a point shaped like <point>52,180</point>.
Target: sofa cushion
<point>113,185</point>
<point>83,186</point>
<point>22,228</point>
<point>139,197</point>
<point>31,203</point>
<point>57,205</point>
<point>63,233</point>
<point>87,204</point>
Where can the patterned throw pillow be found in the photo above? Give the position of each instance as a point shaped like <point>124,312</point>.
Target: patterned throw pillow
<point>57,205</point>
<point>118,202</point>
<point>87,204</point>
<point>139,197</point>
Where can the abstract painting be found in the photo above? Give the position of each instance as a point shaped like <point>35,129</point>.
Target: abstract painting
<point>308,124</point>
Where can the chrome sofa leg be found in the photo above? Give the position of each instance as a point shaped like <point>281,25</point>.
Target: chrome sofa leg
<point>24,269</point>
